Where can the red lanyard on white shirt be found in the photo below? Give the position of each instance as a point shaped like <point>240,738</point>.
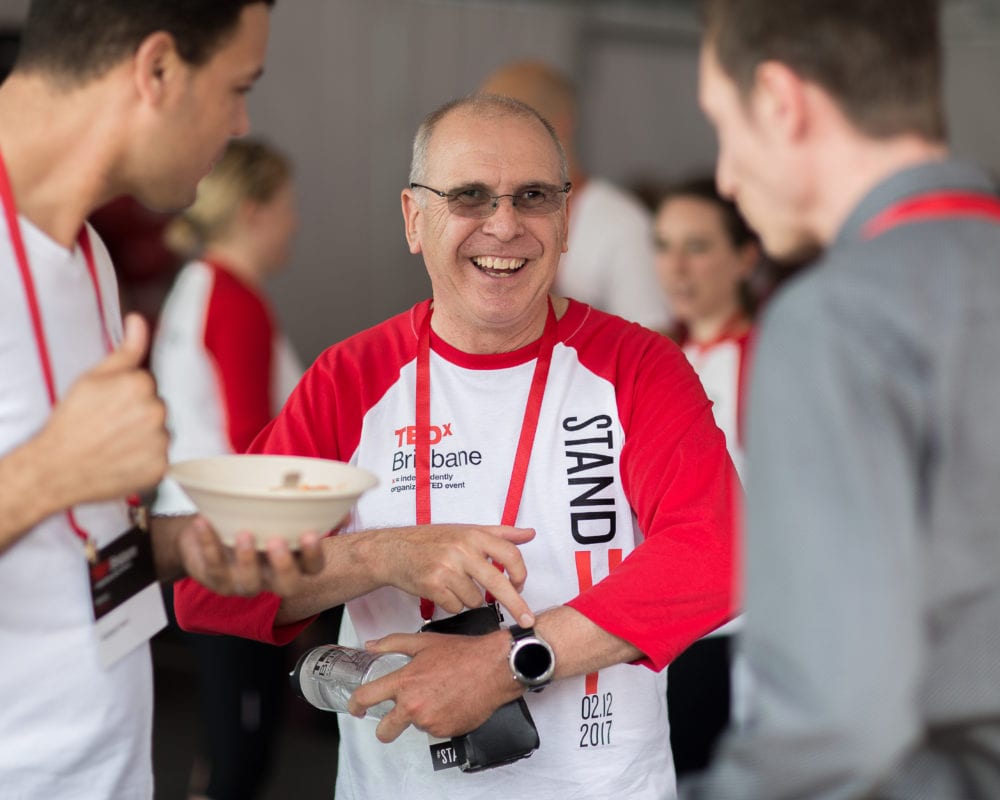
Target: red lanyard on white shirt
<point>21,255</point>
<point>525,442</point>
<point>934,205</point>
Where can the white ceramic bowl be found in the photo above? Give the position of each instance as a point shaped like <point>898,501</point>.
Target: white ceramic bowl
<point>271,496</point>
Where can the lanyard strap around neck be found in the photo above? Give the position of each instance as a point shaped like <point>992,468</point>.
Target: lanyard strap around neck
<point>526,440</point>
<point>934,205</point>
<point>34,309</point>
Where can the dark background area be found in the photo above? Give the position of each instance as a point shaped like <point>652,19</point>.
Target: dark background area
<point>305,755</point>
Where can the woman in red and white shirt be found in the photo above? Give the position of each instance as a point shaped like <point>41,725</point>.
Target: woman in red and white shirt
<point>706,259</point>
<point>224,370</point>
<point>222,366</point>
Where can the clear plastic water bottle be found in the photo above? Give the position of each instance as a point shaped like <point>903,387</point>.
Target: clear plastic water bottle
<point>327,676</point>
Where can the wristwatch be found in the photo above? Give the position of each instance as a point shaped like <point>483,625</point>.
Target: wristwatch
<point>531,659</point>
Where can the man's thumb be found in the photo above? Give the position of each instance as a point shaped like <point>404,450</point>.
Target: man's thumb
<point>132,350</point>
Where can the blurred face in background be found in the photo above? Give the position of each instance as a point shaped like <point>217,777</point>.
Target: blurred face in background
<point>699,266</point>
<point>273,224</point>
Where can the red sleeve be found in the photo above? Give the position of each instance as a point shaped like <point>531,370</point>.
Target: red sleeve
<point>240,338</point>
<point>679,583</point>
<point>200,610</point>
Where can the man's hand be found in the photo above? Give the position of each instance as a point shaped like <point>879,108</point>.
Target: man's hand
<point>106,438</point>
<point>451,565</point>
<point>452,685</point>
<point>193,547</point>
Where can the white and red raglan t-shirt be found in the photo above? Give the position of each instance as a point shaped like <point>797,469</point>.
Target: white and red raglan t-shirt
<point>222,368</point>
<point>632,496</point>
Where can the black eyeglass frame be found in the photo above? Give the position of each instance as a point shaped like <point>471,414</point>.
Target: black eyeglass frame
<point>455,206</point>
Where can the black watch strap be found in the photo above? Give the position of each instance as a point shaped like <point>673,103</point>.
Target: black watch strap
<point>518,633</point>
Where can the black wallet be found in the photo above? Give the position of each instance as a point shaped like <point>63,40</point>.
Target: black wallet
<point>510,733</point>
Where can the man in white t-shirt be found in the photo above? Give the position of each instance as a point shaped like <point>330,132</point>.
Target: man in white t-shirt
<point>107,98</point>
<point>609,255</point>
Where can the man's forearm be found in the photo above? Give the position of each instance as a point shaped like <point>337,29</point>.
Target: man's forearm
<point>580,645</point>
<point>29,493</point>
<point>452,565</point>
<point>347,573</point>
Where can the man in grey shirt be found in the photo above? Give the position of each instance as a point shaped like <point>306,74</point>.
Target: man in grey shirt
<point>872,586</point>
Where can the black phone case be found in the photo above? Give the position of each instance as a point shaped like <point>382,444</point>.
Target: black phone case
<point>510,733</point>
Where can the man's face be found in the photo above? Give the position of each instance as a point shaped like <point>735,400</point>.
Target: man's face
<point>757,167</point>
<point>494,273</point>
<point>206,108</point>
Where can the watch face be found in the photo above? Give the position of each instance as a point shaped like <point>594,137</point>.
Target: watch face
<point>533,660</point>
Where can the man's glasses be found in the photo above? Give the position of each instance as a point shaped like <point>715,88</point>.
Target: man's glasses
<point>477,203</point>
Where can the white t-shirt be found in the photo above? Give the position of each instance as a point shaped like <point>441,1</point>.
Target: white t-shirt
<point>720,366</point>
<point>610,260</point>
<point>68,728</point>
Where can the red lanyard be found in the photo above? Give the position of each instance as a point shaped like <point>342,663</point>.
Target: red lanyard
<point>17,242</point>
<point>524,444</point>
<point>934,205</point>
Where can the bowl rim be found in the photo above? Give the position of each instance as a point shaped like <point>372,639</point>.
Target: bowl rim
<point>314,494</point>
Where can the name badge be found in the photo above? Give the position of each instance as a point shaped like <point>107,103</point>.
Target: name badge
<point>128,603</point>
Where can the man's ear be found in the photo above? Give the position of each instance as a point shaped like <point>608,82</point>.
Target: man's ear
<point>411,211</point>
<point>778,101</point>
<point>156,65</point>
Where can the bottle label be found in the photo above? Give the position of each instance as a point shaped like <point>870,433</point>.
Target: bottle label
<point>343,662</point>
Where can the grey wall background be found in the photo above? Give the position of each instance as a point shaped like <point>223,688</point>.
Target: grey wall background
<point>347,82</point>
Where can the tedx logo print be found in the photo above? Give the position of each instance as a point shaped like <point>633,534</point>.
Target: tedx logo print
<point>408,434</point>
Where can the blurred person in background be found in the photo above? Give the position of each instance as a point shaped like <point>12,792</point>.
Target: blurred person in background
<point>705,257</point>
<point>608,262</point>
<point>144,265</point>
<point>107,97</point>
<point>872,585</point>
<point>224,369</point>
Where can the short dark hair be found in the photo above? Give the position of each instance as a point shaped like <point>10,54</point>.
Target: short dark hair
<point>881,61</point>
<point>77,40</point>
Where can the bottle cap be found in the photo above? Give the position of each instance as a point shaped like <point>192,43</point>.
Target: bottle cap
<point>295,676</point>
